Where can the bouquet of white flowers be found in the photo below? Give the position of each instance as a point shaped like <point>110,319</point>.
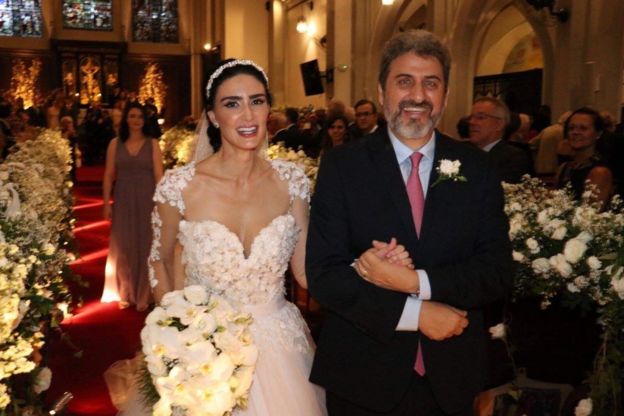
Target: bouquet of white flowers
<point>200,354</point>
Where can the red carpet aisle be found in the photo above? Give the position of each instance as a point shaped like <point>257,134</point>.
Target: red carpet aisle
<point>102,332</point>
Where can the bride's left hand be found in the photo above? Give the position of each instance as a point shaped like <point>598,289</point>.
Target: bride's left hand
<point>393,253</point>
<point>380,272</point>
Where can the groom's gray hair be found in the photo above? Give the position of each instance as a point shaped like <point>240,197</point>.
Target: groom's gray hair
<point>421,42</point>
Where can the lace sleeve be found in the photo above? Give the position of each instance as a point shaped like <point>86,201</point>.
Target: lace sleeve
<point>166,216</point>
<point>298,182</point>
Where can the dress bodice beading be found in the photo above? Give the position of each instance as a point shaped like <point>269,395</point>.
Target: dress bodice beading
<point>214,257</point>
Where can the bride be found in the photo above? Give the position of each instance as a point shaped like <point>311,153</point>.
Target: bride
<point>231,222</point>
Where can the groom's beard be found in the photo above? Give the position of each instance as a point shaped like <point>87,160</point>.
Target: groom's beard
<point>413,128</point>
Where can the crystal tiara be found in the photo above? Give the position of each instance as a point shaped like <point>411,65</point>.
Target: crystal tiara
<point>231,64</point>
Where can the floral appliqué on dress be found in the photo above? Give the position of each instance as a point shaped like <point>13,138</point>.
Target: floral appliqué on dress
<point>214,257</point>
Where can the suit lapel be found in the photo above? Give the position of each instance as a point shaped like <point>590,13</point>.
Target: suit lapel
<point>442,151</point>
<point>384,159</point>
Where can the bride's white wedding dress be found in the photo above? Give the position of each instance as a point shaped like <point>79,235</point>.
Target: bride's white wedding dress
<point>214,257</point>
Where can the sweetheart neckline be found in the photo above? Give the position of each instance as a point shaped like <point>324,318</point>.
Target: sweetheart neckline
<point>246,257</point>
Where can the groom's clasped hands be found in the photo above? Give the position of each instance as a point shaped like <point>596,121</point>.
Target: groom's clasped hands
<point>389,265</point>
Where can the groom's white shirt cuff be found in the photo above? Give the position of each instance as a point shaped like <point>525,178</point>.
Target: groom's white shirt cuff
<point>413,303</point>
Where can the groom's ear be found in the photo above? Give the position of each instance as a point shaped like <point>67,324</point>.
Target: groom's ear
<point>380,94</point>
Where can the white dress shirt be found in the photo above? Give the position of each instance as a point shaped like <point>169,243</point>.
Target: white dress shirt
<point>411,310</point>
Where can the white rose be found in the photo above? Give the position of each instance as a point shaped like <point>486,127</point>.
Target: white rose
<point>584,408</point>
<point>618,286</point>
<point>449,168</point>
<point>574,250</point>
<point>515,224</point>
<point>573,288</point>
<point>554,224</point>
<point>594,263</point>
<point>532,244</point>
<point>4,175</point>
<point>196,294</point>
<point>559,233</point>
<point>560,264</point>
<point>585,237</point>
<point>541,265</point>
<point>498,331</point>
<point>517,256</point>
<point>581,282</point>
<point>542,217</point>
<point>42,382</point>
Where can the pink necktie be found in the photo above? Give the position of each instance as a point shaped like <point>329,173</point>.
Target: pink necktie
<point>417,201</point>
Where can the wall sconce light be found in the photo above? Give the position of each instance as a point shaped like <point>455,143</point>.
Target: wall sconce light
<point>302,25</point>
<point>562,14</point>
<point>387,2</point>
<point>342,67</point>
<point>207,46</point>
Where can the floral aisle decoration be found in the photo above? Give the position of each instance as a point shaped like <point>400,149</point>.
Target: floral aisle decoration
<point>573,250</point>
<point>199,354</point>
<point>308,164</point>
<point>35,227</point>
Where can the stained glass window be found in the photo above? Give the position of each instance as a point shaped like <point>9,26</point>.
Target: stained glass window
<point>20,18</point>
<point>88,14</point>
<point>155,21</point>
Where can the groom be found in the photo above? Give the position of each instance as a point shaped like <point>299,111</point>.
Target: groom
<point>398,341</point>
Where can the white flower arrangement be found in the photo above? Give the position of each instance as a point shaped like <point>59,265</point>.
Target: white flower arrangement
<point>556,240</point>
<point>308,164</point>
<point>35,209</point>
<point>200,354</point>
<point>573,251</point>
<point>449,170</point>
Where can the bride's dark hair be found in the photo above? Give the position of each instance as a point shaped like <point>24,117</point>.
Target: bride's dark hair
<point>243,68</point>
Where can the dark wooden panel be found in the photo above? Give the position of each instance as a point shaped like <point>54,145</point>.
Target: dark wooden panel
<point>521,91</point>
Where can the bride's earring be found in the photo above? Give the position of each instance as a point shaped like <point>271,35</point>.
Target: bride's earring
<point>216,125</point>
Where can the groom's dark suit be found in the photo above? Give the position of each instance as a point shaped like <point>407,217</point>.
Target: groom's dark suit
<point>464,248</point>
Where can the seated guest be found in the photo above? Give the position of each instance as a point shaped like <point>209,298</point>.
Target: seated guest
<point>335,132</point>
<point>365,119</point>
<point>488,120</point>
<point>275,123</point>
<point>290,134</point>
<point>610,146</point>
<point>515,134</point>
<point>582,130</point>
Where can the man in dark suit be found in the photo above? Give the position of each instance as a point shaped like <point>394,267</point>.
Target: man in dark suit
<point>399,341</point>
<point>488,120</point>
<point>290,134</point>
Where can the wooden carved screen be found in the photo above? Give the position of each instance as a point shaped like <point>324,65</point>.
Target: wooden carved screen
<point>90,70</point>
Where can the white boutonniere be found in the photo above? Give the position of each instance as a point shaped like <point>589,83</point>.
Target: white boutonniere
<point>449,169</point>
